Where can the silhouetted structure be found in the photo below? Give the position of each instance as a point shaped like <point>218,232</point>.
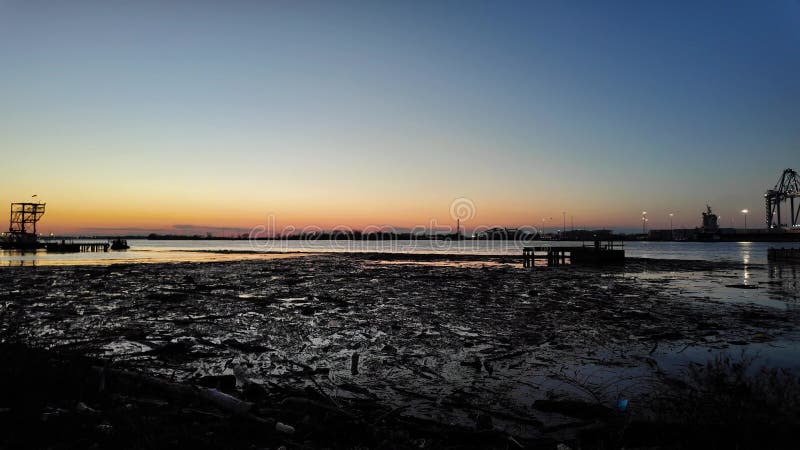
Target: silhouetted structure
<point>119,244</point>
<point>787,188</point>
<point>22,226</point>
<point>710,224</point>
<point>591,235</point>
<point>505,234</point>
<point>598,254</point>
<point>76,247</point>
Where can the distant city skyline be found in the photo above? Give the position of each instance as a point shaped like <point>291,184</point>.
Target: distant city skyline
<point>189,115</point>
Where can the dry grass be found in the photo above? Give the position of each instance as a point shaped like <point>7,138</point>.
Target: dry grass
<point>729,403</point>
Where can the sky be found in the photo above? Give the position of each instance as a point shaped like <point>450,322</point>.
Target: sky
<point>213,116</point>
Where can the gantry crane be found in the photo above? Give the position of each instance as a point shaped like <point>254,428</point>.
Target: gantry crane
<point>787,188</point>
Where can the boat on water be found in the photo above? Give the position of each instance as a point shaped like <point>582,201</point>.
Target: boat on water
<point>119,244</point>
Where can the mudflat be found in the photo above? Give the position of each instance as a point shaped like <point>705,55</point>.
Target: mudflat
<point>370,351</point>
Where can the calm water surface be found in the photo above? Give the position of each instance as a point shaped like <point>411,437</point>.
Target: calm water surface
<point>143,250</point>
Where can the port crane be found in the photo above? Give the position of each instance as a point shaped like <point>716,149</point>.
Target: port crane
<point>787,188</point>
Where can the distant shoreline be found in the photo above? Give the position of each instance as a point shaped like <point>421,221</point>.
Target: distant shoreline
<point>755,237</point>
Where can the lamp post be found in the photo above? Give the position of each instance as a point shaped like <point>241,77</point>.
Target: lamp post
<point>745,211</point>
<point>644,221</point>
<point>544,230</point>
<point>671,233</point>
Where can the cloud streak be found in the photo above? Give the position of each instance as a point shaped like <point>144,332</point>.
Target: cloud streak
<point>185,229</point>
<point>209,228</point>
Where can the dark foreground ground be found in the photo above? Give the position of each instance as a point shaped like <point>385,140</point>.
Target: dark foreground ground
<point>375,351</point>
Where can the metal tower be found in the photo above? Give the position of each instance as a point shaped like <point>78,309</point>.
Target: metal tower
<point>24,215</point>
<point>787,188</point>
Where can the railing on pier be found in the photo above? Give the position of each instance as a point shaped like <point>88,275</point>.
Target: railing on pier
<point>77,247</point>
<point>599,254</point>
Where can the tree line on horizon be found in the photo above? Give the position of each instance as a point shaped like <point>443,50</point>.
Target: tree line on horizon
<point>492,234</point>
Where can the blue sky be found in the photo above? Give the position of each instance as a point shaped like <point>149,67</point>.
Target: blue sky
<point>149,114</point>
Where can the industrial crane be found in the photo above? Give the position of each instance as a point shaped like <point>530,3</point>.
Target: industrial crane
<point>787,188</point>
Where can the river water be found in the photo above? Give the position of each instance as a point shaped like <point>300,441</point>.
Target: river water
<point>143,250</point>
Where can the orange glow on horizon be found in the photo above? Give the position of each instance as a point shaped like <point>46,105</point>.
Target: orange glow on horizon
<point>233,221</point>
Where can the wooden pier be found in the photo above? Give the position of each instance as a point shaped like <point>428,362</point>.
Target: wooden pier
<point>77,247</point>
<point>598,254</point>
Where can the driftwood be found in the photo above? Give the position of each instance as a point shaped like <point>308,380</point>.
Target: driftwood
<point>111,378</point>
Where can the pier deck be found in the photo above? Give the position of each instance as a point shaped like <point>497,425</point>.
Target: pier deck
<point>562,255</point>
<point>77,247</point>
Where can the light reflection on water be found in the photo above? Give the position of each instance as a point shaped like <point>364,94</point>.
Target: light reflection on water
<point>42,258</point>
<point>776,285</point>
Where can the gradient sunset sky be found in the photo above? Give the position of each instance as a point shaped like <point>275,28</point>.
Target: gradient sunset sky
<point>149,115</point>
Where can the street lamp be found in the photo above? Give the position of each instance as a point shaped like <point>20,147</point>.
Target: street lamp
<point>544,230</point>
<point>644,221</point>
<point>745,211</point>
<point>671,233</point>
